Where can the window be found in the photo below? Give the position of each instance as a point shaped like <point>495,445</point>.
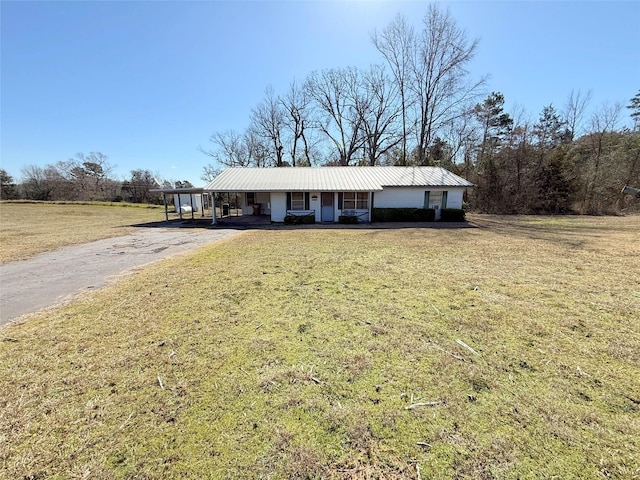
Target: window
<point>355,201</point>
<point>297,201</point>
<point>251,199</point>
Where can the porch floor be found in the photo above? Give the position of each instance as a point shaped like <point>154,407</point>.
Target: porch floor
<point>245,220</point>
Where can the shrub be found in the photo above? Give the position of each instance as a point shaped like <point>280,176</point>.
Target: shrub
<point>424,215</point>
<point>300,219</point>
<point>348,219</point>
<point>452,215</point>
<point>403,215</point>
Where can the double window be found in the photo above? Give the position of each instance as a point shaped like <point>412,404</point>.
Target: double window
<point>355,201</point>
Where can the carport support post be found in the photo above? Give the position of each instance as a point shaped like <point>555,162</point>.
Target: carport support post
<point>166,211</point>
<point>213,208</point>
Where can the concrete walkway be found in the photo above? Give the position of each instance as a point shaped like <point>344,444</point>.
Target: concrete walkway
<point>52,278</point>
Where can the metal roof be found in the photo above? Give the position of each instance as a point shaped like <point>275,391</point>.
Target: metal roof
<point>332,179</point>
<point>168,191</point>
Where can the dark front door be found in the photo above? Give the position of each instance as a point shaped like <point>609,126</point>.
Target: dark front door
<point>327,207</point>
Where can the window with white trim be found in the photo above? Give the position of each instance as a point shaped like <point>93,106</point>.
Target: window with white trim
<point>297,200</point>
<point>355,201</point>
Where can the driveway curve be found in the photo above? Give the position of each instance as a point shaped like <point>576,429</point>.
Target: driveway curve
<point>52,278</point>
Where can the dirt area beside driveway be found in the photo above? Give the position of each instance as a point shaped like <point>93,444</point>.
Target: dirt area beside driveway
<point>53,278</point>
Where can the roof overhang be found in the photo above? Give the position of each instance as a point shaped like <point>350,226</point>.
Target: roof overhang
<point>170,191</point>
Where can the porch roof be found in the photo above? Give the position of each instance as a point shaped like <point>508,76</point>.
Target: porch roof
<point>170,191</point>
<point>332,179</point>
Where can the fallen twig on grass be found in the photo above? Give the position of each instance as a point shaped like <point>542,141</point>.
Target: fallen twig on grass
<point>422,404</point>
<point>461,343</point>
<point>316,380</point>
<point>160,382</point>
<point>126,421</point>
<point>438,347</point>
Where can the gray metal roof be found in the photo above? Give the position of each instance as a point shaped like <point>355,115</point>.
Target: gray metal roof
<point>168,191</point>
<point>332,179</point>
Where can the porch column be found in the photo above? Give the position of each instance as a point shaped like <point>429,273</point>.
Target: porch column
<point>213,208</point>
<point>166,211</point>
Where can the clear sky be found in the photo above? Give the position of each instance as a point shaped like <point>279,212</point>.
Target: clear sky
<point>147,83</point>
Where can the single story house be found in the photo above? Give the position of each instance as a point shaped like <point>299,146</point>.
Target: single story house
<point>329,192</point>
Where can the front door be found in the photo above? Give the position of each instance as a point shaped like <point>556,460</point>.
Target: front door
<point>327,214</point>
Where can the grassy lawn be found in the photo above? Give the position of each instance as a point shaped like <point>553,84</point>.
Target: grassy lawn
<point>27,229</point>
<point>296,354</point>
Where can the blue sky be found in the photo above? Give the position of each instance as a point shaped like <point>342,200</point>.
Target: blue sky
<point>147,83</point>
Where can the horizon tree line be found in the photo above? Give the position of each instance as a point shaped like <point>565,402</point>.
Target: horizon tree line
<point>421,106</point>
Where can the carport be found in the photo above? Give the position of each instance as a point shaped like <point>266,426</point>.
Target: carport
<point>192,194</point>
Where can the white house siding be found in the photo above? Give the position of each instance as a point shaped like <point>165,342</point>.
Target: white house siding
<point>454,198</point>
<point>414,197</point>
<point>278,206</point>
<point>400,197</point>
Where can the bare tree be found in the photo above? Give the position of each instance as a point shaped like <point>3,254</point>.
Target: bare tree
<point>87,176</point>
<point>334,93</point>
<point>574,112</point>
<point>397,43</point>
<point>603,123</point>
<point>268,122</point>
<point>36,183</point>
<point>377,105</point>
<point>296,105</point>
<point>440,77</point>
<point>230,149</point>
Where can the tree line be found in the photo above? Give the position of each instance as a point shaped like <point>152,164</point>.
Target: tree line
<point>86,177</point>
<point>421,106</point>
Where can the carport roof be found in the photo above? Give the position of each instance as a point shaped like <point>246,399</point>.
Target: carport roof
<point>169,191</point>
<point>332,179</point>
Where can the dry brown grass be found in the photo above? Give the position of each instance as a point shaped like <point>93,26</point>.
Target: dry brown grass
<point>27,229</point>
<point>293,354</point>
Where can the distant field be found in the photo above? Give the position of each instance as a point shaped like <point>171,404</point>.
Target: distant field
<point>508,351</point>
<point>27,229</point>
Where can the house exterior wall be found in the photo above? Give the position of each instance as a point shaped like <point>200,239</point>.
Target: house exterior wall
<point>454,198</point>
<point>388,198</point>
<point>414,197</point>
<point>278,206</point>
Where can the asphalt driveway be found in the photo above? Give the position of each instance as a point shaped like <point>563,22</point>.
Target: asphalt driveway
<point>52,278</point>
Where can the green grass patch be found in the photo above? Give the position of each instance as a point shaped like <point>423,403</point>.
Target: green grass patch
<point>294,354</point>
